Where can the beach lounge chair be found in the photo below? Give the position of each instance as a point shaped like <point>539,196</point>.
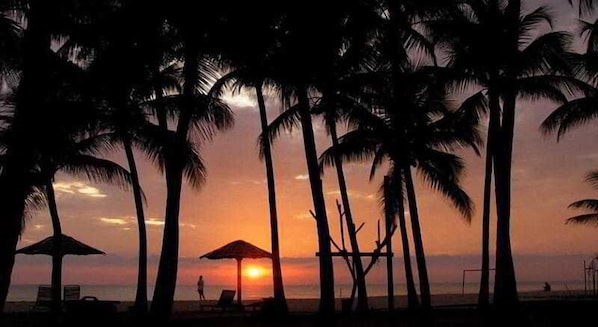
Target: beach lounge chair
<point>71,293</point>
<point>44,298</point>
<point>225,302</point>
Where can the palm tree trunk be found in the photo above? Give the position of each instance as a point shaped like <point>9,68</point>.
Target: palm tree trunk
<point>505,284</point>
<point>141,294</point>
<point>362,295</point>
<point>57,255</point>
<point>161,306</point>
<point>163,299</point>
<point>12,202</point>
<point>276,266</point>
<point>412,301</point>
<point>31,92</point>
<point>424,284</point>
<point>493,127</point>
<point>313,169</point>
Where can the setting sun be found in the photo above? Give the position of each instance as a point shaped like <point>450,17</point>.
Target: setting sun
<point>255,272</point>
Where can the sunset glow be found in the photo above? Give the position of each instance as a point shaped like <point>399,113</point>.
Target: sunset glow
<point>255,272</point>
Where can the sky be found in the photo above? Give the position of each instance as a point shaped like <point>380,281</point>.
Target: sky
<point>547,177</point>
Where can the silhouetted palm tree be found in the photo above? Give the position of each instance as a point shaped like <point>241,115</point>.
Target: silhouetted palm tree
<point>39,81</point>
<point>247,46</point>
<point>197,115</point>
<point>336,87</point>
<point>382,134</point>
<point>491,44</point>
<point>308,41</point>
<point>74,159</point>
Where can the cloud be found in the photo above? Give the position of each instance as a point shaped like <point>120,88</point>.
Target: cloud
<point>114,221</point>
<point>241,100</point>
<point>78,188</point>
<point>354,195</point>
<point>154,222</point>
<point>303,216</point>
<point>129,222</point>
<point>302,177</point>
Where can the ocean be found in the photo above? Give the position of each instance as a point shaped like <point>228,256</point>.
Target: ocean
<point>252,291</point>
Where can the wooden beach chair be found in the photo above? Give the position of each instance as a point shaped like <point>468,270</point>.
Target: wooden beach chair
<point>225,302</point>
<point>71,293</point>
<point>44,298</point>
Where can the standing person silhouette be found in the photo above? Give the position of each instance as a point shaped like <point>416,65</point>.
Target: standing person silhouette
<point>200,287</point>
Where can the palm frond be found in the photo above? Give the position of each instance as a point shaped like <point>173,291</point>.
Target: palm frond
<point>155,144</point>
<point>194,168</point>
<point>537,88</point>
<point>353,146</point>
<point>224,82</point>
<point>418,42</point>
<point>96,144</point>
<point>377,161</point>
<point>570,115</point>
<point>547,54</point>
<point>36,200</point>
<point>288,120</point>
<point>442,171</point>
<point>98,171</point>
<point>590,204</point>
<point>530,23</point>
<point>592,178</point>
<point>587,219</point>
<point>589,31</point>
<point>586,7</point>
<point>210,115</point>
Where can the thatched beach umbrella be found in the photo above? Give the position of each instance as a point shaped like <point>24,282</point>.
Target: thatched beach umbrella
<point>238,250</point>
<point>69,246</point>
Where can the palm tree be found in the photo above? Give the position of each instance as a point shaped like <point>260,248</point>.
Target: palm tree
<point>17,163</point>
<point>331,116</point>
<point>303,63</point>
<point>412,300</point>
<point>491,45</point>
<point>39,81</point>
<point>381,134</point>
<point>10,226</point>
<point>75,159</point>
<point>122,51</point>
<point>196,114</point>
<point>294,66</point>
<point>247,50</point>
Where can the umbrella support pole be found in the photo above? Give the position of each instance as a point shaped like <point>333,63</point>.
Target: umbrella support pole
<point>239,271</point>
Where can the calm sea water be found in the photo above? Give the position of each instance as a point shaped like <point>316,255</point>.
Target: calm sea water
<point>188,292</point>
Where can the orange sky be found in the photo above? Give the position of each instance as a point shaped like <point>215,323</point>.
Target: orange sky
<point>233,203</point>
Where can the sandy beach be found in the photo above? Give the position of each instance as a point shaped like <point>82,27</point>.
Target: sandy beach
<point>537,309</point>
<point>377,303</point>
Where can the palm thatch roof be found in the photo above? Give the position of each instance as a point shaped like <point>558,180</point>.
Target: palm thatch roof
<point>69,246</point>
<point>237,250</point>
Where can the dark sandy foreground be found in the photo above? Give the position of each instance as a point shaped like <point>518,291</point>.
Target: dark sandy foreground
<point>541,309</point>
<point>311,305</point>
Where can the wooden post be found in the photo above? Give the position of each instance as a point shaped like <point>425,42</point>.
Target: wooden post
<point>463,284</point>
<point>342,218</point>
<point>239,273</point>
<point>389,222</point>
<point>585,279</point>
